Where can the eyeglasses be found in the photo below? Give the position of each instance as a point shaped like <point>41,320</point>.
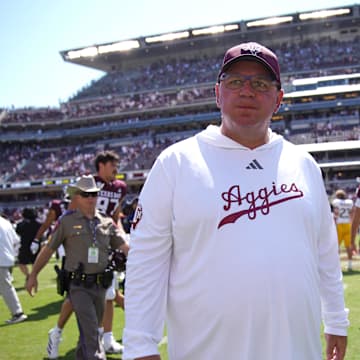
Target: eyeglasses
<point>258,83</point>
<point>85,194</point>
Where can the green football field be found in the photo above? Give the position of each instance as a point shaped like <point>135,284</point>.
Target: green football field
<point>28,340</point>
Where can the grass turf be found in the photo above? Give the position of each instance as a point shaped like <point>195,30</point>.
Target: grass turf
<point>28,340</point>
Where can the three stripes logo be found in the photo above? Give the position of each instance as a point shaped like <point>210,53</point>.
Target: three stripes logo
<point>254,165</point>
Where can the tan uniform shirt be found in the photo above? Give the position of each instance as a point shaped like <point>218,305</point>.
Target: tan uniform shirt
<point>77,233</point>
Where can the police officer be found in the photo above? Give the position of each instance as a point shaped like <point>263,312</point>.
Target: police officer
<point>86,236</point>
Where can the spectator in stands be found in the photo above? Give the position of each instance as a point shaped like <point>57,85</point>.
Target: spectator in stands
<point>23,159</point>
<point>9,246</point>
<point>240,207</point>
<point>27,230</point>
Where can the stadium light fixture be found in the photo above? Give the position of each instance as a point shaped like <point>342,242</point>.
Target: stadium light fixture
<point>215,29</point>
<point>231,27</point>
<point>329,78</point>
<point>86,52</point>
<point>167,37</point>
<point>270,21</point>
<point>119,46</point>
<point>324,90</point>
<point>323,14</point>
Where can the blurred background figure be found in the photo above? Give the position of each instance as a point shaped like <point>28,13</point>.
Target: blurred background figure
<point>57,207</point>
<point>343,207</point>
<point>9,246</point>
<point>128,212</point>
<point>27,230</point>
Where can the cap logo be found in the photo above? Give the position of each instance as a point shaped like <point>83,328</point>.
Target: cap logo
<point>254,49</point>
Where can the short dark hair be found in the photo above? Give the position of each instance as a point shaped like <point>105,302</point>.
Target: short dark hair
<point>29,214</point>
<point>104,157</point>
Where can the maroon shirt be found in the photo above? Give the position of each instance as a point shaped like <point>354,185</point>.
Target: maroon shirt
<point>58,206</point>
<point>110,195</point>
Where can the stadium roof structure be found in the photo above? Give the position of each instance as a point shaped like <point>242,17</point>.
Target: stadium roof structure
<point>331,146</point>
<point>351,147</point>
<point>340,165</point>
<point>212,40</point>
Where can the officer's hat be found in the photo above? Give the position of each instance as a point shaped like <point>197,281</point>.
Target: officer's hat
<point>85,183</point>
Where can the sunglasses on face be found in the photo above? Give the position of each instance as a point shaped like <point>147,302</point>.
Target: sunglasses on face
<point>85,194</point>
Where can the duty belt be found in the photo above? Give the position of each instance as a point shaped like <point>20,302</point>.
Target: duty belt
<point>104,279</point>
<point>90,279</point>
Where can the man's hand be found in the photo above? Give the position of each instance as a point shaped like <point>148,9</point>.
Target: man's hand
<point>335,347</point>
<point>35,246</point>
<point>31,284</point>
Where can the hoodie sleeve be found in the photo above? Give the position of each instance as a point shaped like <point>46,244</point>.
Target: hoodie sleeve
<point>148,264</point>
<point>334,313</point>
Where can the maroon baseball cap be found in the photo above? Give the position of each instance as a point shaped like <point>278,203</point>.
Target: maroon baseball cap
<point>252,51</point>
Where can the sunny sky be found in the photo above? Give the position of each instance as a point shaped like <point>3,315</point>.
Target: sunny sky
<point>33,32</point>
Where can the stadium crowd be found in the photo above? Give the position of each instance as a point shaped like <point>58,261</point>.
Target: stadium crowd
<point>172,82</point>
<point>29,162</point>
<point>305,58</point>
<point>168,88</point>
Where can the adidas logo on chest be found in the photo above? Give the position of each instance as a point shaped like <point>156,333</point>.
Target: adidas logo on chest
<point>254,165</point>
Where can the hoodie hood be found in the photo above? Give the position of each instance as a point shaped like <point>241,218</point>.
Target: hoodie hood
<point>213,136</point>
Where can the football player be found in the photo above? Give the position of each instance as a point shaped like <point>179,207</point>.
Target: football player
<point>343,211</point>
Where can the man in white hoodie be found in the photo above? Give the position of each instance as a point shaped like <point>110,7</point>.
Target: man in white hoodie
<point>233,245</point>
<point>9,247</point>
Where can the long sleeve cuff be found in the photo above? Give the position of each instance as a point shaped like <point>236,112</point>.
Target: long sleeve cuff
<point>138,344</point>
<point>336,323</point>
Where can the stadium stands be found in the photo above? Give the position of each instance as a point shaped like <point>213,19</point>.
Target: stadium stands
<point>144,103</point>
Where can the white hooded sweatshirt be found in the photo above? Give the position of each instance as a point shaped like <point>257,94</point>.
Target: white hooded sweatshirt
<point>237,250</point>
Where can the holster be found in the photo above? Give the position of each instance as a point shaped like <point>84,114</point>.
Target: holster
<point>62,278</point>
<point>107,278</point>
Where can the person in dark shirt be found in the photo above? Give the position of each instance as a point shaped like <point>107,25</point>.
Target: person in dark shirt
<point>27,230</point>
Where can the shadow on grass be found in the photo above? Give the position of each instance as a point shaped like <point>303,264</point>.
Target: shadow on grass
<point>70,355</point>
<point>43,312</point>
<point>350,273</point>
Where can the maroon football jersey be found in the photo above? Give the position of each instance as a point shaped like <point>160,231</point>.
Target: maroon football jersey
<point>110,195</point>
<point>58,206</point>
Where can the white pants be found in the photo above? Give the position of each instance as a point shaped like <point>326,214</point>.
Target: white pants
<point>111,291</point>
<point>8,292</point>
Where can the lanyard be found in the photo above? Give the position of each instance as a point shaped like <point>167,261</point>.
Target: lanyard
<point>92,224</point>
